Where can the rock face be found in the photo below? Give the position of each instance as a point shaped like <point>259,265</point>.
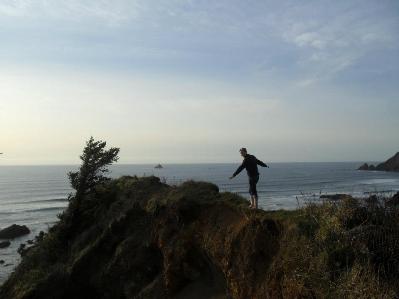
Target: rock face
<point>5,244</point>
<point>14,231</point>
<point>392,164</point>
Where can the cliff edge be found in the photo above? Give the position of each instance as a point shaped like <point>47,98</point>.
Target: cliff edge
<point>139,238</point>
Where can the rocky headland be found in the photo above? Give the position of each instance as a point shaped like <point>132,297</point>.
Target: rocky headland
<point>139,238</point>
<point>392,164</point>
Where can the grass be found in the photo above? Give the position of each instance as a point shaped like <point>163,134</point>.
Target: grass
<point>339,249</point>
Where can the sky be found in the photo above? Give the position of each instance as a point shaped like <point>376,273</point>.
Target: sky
<point>184,81</point>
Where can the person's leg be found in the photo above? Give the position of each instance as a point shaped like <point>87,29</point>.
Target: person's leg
<point>255,192</point>
<point>252,202</point>
<point>252,191</point>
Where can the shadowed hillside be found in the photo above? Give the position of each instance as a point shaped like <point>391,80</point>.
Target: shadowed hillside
<point>139,238</point>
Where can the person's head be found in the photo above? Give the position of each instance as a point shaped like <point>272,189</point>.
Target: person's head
<point>243,151</point>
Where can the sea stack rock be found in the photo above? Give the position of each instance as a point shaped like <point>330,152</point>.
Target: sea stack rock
<point>14,231</point>
<point>365,166</point>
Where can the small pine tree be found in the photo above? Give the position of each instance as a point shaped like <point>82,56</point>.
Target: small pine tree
<point>95,159</point>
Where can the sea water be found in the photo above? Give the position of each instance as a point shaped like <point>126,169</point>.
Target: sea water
<point>35,195</point>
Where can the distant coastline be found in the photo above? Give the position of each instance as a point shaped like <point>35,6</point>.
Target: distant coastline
<point>392,164</point>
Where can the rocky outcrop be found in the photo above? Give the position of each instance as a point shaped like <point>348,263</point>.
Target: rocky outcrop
<point>14,231</point>
<point>5,244</point>
<point>392,164</point>
<point>144,239</point>
<point>366,166</point>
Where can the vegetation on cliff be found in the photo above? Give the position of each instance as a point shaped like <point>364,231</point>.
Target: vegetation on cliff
<point>139,238</point>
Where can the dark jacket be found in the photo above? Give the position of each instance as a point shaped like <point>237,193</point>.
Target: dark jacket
<point>250,163</point>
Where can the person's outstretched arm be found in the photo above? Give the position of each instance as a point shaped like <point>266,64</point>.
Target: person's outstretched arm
<point>239,169</point>
<point>259,162</point>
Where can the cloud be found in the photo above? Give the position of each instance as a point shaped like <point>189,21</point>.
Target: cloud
<point>333,38</point>
<point>311,37</point>
<point>19,8</point>
<point>111,13</point>
<point>269,46</point>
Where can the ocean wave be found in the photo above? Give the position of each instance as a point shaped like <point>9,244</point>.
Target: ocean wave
<point>44,209</point>
<point>19,205</point>
<point>44,200</point>
<point>8,213</point>
<point>9,197</point>
<point>377,181</point>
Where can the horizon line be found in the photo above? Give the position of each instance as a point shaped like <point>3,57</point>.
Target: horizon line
<point>192,163</point>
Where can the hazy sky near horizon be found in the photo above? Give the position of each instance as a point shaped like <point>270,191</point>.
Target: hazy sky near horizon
<point>193,81</point>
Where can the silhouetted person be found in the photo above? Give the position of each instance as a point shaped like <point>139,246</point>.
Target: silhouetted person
<point>250,163</point>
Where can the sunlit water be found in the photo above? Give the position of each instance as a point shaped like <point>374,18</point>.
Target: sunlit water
<point>34,195</point>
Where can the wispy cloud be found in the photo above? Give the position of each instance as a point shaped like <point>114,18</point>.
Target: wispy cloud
<point>324,38</point>
<point>332,38</point>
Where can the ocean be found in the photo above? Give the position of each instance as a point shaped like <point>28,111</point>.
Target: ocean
<point>34,195</point>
